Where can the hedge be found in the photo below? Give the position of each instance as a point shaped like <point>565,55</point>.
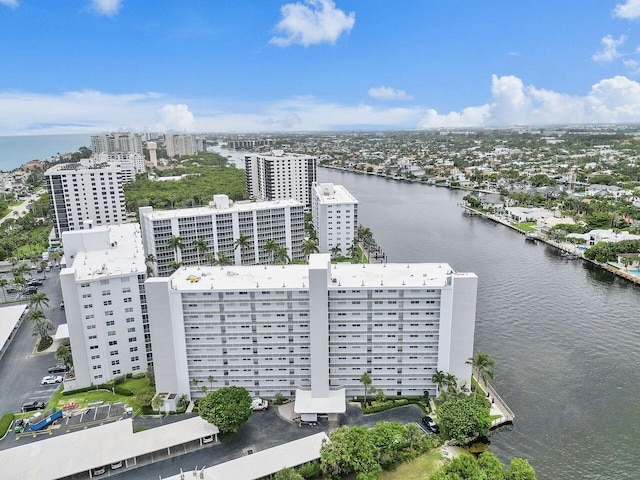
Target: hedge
<point>125,392</point>
<point>5,423</point>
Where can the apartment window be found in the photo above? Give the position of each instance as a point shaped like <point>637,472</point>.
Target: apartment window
<point>111,333</point>
<point>111,323</point>
<point>96,367</point>
<point>106,302</point>
<point>116,372</point>
<point>128,310</point>
<point>133,339</point>
<point>130,320</point>
<point>135,359</point>
<point>106,293</point>
<point>93,347</point>
<point>127,300</point>
<point>115,362</point>
<point>108,313</point>
<point>113,342</point>
<point>95,357</point>
<point>93,337</point>
<point>133,349</point>
<point>126,290</point>
<point>90,327</point>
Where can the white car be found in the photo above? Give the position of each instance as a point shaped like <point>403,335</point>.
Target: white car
<point>259,405</point>
<point>51,379</point>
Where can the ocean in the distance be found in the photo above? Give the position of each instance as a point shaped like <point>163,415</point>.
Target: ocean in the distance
<point>15,151</point>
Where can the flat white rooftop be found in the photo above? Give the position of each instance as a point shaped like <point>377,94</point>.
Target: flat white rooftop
<point>242,206</point>
<point>334,403</point>
<point>250,277</point>
<point>124,257</point>
<point>64,455</point>
<point>331,194</point>
<point>266,462</point>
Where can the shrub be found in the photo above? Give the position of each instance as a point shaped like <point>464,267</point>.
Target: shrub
<point>125,392</point>
<point>5,423</point>
<point>279,400</point>
<point>129,376</point>
<point>118,380</point>
<point>310,470</point>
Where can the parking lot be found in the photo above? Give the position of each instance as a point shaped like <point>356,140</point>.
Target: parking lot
<point>21,367</point>
<point>72,420</point>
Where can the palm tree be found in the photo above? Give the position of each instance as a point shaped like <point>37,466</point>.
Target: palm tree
<point>201,246</point>
<point>223,259</point>
<point>352,251</point>
<point>210,258</point>
<point>452,382</point>
<point>41,325</point>
<point>174,266</point>
<point>22,269</point>
<point>63,353</point>
<point>195,382</point>
<point>203,389</point>
<point>439,378</point>
<point>210,380</point>
<point>365,379</point>
<point>55,256</point>
<point>281,256</point>
<point>336,252</point>
<point>482,364</point>
<point>3,283</point>
<point>37,300</point>
<point>176,244</point>
<point>149,260</point>
<point>271,246</point>
<point>243,241</point>
<point>43,265</point>
<point>308,247</point>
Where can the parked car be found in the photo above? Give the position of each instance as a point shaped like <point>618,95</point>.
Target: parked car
<point>99,471</point>
<point>36,282</point>
<point>34,405</point>
<point>259,405</point>
<point>30,290</point>
<point>59,368</point>
<point>116,465</point>
<point>12,289</point>
<point>47,268</point>
<point>432,426</point>
<point>51,379</point>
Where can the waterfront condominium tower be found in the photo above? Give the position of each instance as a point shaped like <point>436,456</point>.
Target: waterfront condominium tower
<point>335,217</point>
<point>240,233</point>
<point>181,144</point>
<point>309,332</point>
<point>85,191</point>
<point>105,303</point>
<point>280,175</point>
<point>116,142</point>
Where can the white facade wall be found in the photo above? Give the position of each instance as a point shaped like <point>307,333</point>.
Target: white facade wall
<point>335,217</point>
<point>275,329</point>
<point>79,194</point>
<point>180,144</point>
<point>105,303</point>
<point>219,226</point>
<point>281,176</point>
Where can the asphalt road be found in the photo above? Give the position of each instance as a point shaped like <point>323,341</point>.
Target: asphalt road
<point>21,370</point>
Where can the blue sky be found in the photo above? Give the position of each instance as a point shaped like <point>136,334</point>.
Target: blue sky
<point>81,66</point>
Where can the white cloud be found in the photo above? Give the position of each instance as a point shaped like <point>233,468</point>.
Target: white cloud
<point>611,100</point>
<point>106,7</point>
<point>388,93</point>
<point>629,10</point>
<point>174,118</point>
<point>9,3</point>
<point>312,22</point>
<point>609,50</point>
<point>633,66</point>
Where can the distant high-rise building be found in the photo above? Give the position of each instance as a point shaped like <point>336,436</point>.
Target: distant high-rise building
<point>219,226</point>
<point>105,303</point>
<point>335,217</point>
<point>281,175</point>
<point>183,144</point>
<point>153,157</point>
<point>116,142</point>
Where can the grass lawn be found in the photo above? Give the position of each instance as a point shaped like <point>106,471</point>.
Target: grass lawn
<point>526,227</point>
<point>84,398</point>
<point>417,469</point>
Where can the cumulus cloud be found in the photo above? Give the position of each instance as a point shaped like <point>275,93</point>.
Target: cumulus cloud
<point>612,100</point>
<point>9,3</point>
<point>106,7</point>
<point>388,93</point>
<point>629,10</point>
<point>312,22</point>
<point>174,118</point>
<point>609,50</point>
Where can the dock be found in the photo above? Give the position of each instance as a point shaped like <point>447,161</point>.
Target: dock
<point>498,405</point>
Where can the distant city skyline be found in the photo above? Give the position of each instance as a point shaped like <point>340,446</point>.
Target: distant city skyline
<point>86,66</point>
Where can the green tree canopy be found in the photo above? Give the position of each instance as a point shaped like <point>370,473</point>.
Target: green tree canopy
<point>486,467</point>
<point>288,474</point>
<point>464,417</point>
<point>227,408</point>
<point>350,451</point>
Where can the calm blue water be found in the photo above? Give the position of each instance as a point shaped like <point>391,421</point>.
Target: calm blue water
<point>15,151</point>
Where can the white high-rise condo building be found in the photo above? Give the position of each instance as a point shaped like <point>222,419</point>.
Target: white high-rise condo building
<point>182,144</point>
<point>85,191</point>
<point>220,226</point>
<point>131,164</point>
<point>335,217</point>
<point>280,175</point>
<point>105,303</point>
<point>311,331</point>
<point>116,142</point>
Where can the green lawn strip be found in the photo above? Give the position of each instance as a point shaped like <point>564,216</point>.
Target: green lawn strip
<point>83,399</point>
<point>526,226</point>
<point>417,469</point>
